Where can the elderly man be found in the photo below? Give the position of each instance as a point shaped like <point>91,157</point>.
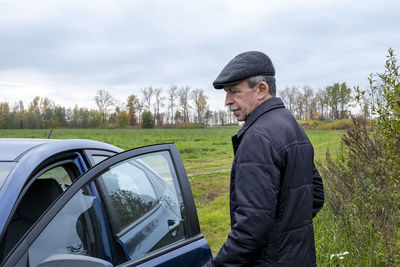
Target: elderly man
<point>275,188</point>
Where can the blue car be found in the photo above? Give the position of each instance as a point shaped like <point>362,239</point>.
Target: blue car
<point>88,203</point>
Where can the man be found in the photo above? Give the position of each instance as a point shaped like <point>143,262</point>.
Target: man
<point>275,188</point>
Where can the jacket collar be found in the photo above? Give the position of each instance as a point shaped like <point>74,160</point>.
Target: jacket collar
<point>270,104</point>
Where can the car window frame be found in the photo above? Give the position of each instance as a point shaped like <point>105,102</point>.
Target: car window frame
<point>90,153</point>
<point>192,234</point>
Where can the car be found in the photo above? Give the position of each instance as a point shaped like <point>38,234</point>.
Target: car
<point>87,203</point>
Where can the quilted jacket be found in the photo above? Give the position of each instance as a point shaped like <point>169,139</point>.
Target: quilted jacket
<point>275,192</point>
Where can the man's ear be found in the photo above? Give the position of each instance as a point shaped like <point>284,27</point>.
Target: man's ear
<point>262,90</point>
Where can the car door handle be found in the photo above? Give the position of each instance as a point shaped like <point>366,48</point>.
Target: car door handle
<point>173,224</point>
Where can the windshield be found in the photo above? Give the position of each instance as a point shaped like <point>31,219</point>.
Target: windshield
<point>5,169</point>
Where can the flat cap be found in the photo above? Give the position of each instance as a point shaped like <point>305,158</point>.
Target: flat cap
<point>243,66</point>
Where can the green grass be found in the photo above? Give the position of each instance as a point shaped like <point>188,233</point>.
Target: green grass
<point>207,155</point>
<point>201,149</point>
<point>324,140</point>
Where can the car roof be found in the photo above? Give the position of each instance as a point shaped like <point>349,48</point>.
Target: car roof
<point>11,149</point>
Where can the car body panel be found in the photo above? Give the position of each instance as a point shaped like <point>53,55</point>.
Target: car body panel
<point>197,251</point>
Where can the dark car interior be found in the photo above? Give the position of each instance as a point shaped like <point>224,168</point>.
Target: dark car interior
<point>44,190</point>
<point>40,195</point>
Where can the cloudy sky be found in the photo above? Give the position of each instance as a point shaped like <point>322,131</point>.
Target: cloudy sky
<point>67,50</point>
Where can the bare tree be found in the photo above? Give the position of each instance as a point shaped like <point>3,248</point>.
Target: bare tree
<point>104,101</point>
<point>284,96</point>
<point>19,109</point>
<point>139,108</point>
<point>222,115</point>
<point>147,97</point>
<point>200,101</point>
<point>313,108</point>
<point>184,93</point>
<point>172,95</point>
<point>45,104</point>
<point>299,106</point>
<point>215,118</point>
<point>321,102</point>
<point>159,103</point>
<point>208,116</point>
<point>34,106</point>
<point>231,117</point>
<point>288,96</point>
<point>307,96</point>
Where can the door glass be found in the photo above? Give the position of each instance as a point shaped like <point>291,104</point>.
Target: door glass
<point>99,158</point>
<point>74,230</point>
<point>142,195</point>
<point>129,191</point>
<point>160,164</point>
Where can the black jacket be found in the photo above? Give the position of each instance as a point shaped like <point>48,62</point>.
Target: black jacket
<point>275,192</point>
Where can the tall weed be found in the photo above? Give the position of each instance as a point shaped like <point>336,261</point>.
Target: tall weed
<point>362,182</point>
<point>365,204</point>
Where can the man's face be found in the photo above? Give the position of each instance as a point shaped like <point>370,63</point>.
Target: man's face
<point>241,99</point>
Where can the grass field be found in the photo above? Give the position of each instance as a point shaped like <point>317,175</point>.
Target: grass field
<point>207,155</point>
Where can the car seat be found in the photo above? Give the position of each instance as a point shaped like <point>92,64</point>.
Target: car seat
<point>37,199</point>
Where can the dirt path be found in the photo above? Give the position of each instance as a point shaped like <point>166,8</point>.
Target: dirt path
<point>207,172</point>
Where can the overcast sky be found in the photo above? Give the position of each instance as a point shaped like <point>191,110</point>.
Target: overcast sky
<point>67,50</point>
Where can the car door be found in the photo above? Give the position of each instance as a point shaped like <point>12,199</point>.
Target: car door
<point>133,209</point>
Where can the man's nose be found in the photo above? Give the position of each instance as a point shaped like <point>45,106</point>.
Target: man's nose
<point>228,99</point>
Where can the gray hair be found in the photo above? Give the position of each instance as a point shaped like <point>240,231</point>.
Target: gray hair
<point>270,80</point>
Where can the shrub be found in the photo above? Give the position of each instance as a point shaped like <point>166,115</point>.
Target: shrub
<point>123,119</point>
<point>310,124</point>
<point>329,124</point>
<point>342,124</point>
<point>362,183</point>
<point>357,192</point>
<point>147,120</point>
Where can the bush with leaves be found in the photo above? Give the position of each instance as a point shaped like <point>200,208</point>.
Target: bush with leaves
<point>362,183</point>
<point>147,120</point>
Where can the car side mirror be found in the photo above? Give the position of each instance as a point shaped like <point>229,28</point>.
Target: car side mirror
<point>64,260</point>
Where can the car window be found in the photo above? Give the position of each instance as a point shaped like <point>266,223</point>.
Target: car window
<point>130,192</point>
<point>96,156</point>
<point>74,230</point>
<point>143,199</point>
<point>59,174</point>
<point>99,158</point>
<point>159,163</point>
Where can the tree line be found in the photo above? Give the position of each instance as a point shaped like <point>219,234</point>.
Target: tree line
<point>333,102</point>
<point>177,105</point>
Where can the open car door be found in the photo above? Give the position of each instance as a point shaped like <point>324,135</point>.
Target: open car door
<point>133,209</point>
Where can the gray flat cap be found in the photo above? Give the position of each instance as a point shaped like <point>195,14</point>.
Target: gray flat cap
<point>243,66</point>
